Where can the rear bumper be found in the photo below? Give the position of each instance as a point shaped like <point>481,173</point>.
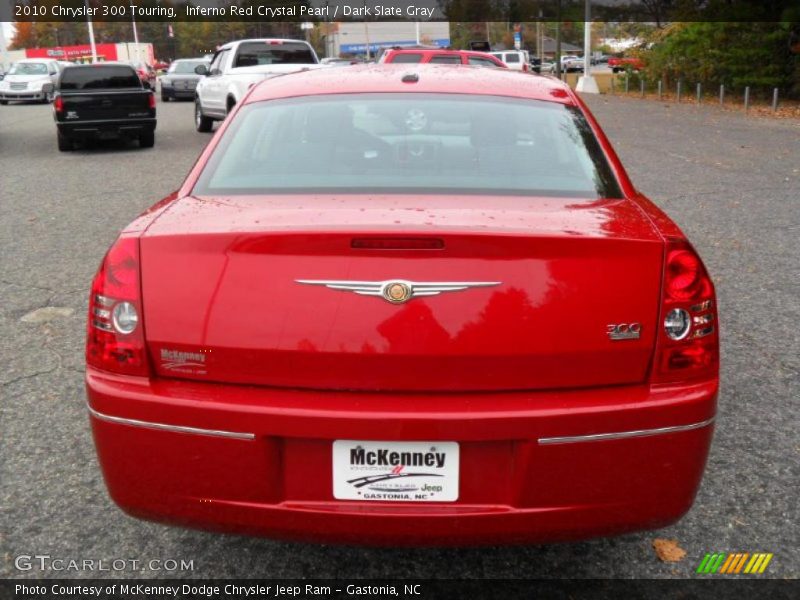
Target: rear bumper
<point>169,92</point>
<point>534,467</point>
<point>102,129</point>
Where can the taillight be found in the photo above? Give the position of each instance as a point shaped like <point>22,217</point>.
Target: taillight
<point>58,104</point>
<point>685,277</point>
<point>115,331</point>
<point>688,340</point>
<point>152,100</point>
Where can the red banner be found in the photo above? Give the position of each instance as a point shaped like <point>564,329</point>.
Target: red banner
<point>71,53</point>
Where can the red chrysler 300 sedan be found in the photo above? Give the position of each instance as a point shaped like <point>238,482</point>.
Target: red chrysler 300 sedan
<point>402,306</point>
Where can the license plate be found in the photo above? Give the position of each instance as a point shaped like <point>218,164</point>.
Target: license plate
<point>107,135</point>
<point>395,471</point>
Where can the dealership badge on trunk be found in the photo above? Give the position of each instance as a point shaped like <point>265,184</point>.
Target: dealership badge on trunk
<point>398,291</point>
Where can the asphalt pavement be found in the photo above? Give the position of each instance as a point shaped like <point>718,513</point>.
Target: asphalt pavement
<point>731,181</point>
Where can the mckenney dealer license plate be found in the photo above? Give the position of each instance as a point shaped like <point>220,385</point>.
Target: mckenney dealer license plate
<point>395,471</point>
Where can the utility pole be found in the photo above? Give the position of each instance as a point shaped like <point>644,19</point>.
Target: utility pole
<point>558,39</point>
<point>135,37</point>
<point>328,34</point>
<point>366,31</point>
<point>539,44</point>
<point>91,32</point>
<point>307,27</point>
<point>3,48</point>
<point>586,83</point>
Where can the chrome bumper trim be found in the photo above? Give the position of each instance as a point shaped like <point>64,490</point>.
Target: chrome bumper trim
<point>173,428</point>
<point>619,435</point>
<point>573,439</point>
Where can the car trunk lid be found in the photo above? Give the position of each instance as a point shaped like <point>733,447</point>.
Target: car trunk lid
<point>227,296</point>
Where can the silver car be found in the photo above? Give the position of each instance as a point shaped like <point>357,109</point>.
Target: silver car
<point>180,79</point>
<point>30,79</point>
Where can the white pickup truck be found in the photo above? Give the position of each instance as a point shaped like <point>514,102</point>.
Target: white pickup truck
<point>238,66</point>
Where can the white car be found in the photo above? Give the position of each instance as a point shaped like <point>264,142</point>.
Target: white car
<point>571,63</point>
<point>336,62</point>
<point>238,66</point>
<point>516,60</point>
<point>30,79</point>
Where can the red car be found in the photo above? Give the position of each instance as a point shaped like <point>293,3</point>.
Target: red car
<point>405,307</point>
<point>620,64</point>
<point>147,74</point>
<point>443,57</point>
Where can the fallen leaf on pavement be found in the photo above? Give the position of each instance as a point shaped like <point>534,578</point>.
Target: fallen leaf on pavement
<point>668,550</point>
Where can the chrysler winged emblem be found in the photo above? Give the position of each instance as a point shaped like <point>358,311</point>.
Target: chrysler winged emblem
<point>398,291</point>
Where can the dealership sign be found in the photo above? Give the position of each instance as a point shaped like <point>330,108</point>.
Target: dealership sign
<point>361,48</point>
<point>104,51</point>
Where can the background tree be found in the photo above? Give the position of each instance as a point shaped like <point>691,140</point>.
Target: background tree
<point>735,54</point>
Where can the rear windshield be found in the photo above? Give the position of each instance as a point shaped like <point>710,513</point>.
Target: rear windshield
<point>252,54</point>
<point>186,66</point>
<point>96,77</point>
<point>409,143</point>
